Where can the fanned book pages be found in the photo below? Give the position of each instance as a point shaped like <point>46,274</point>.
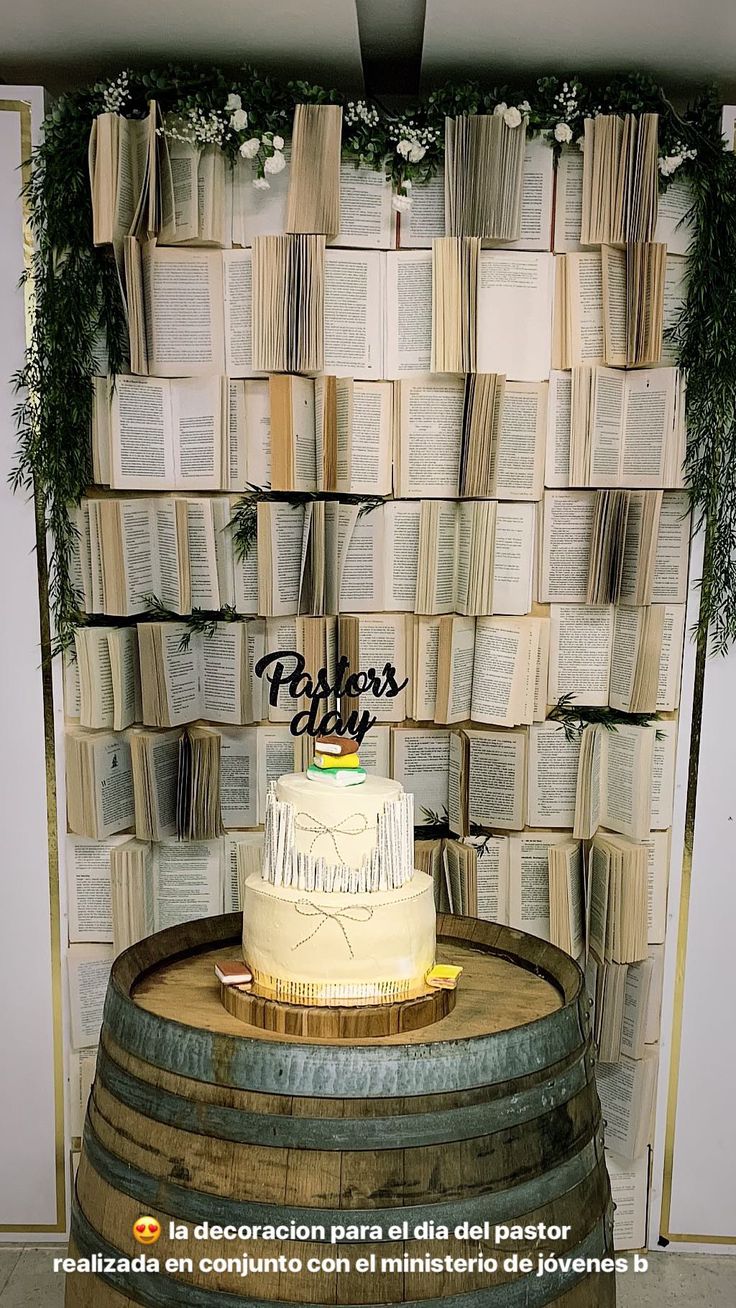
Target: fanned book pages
<point>187,675</point>
<point>609,306</point>
<point>203,188</point>
<point>130,177</point>
<point>99,783</point>
<point>567,898</point>
<point>155,761</point>
<point>623,428</point>
<point>109,677</point>
<point>618,899</point>
<point>618,778</point>
<point>288,303</point>
<point>314,181</point>
<point>625,657</point>
<point>620,179</point>
<point>606,567</point>
<point>454,292</point>
<point>487,780</point>
<point>159,886</point>
<point>198,813</point>
<point>484,160</point>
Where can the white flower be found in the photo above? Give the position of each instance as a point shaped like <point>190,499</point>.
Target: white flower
<point>525,108</point>
<point>403,148</point>
<point>261,183</point>
<point>669,164</point>
<point>233,102</point>
<point>278,142</point>
<point>401,203</point>
<point>563,132</point>
<point>406,184</point>
<point>416,152</point>
<point>239,120</point>
<point>249,149</point>
<point>512,117</point>
<point>275,163</point>
<point>501,108</point>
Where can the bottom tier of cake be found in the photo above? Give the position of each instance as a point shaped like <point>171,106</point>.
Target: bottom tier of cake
<point>316,947</point>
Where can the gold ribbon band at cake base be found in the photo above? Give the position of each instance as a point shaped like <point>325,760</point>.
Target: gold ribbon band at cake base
<point>315,992</point>
<point>307,908</point>
<point>359,824</point>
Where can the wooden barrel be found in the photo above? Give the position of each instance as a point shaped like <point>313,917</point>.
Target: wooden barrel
<point>358,1150</point>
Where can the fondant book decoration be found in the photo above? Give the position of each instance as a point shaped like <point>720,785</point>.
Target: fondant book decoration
<point>388,865</point>
<point>288,673</point>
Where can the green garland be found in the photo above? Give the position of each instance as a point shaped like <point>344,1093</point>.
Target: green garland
<point>77,307</point>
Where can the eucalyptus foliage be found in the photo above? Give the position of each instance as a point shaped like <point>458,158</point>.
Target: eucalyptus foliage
<point>79,315</point>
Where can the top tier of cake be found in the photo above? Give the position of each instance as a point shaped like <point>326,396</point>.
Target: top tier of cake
<point>354,839</point>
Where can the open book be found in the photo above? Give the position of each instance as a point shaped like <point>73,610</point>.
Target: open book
<point>628,658</point>
<point>609,306</point>
<point>159,886</point>
<point>617,930</point>
<point>626,1090</point>
<point>615,781</point>
<point>99,783</point>
<point>330,434</point>
<point>491,669</point>
<point>655,551</point>
<point>314,177</point>
<point>630,1193</point>
<point>176,549</point>
<point>210,676</point>
<point>160,434</point>
<point>88,888</point>
<point>620,178</point>
<point>109,677</point>
<point>484,160</point>
<point>608,427</point>
<point>420,759</point>
<point>88,971</point>
<point>130,176</point>
<point>482,436</point>
<point>487,780</point>
<point>426,218</point>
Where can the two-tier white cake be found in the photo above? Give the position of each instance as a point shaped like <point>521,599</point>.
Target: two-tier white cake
<point>338,912</point>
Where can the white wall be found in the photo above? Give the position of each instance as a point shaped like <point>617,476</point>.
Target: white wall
<point>31,1086</point>
<point>694,1198</point>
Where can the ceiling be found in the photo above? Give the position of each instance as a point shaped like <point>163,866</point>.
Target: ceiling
<point>394,42</point>
<point>676,39</point>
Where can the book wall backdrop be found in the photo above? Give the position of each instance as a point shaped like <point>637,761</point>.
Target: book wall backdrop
<point>422,408</point>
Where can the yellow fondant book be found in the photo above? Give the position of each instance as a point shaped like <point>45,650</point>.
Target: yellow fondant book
<point>443,976</point>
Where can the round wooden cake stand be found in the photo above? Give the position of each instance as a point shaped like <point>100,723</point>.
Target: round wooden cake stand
<point>343,1021</point>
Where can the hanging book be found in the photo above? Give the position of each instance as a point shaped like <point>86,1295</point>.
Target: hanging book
<point>314,180</point>
<point>288,303</point>
<point>484,159</point>
<point>620,179</point>
<point>454,307</point>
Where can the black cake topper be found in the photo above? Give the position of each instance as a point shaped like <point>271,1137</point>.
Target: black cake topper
<point>288,672</point>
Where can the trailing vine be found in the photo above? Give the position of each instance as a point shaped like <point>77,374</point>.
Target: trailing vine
<point>78,313</point>
<point>574,718</point>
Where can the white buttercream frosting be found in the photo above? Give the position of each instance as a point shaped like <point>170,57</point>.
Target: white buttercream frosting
<point>339,826</point>
<point>320,946</point>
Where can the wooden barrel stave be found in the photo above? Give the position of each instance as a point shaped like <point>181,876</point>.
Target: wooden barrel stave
<point>200,1124</point>
<point>351,1178</point>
